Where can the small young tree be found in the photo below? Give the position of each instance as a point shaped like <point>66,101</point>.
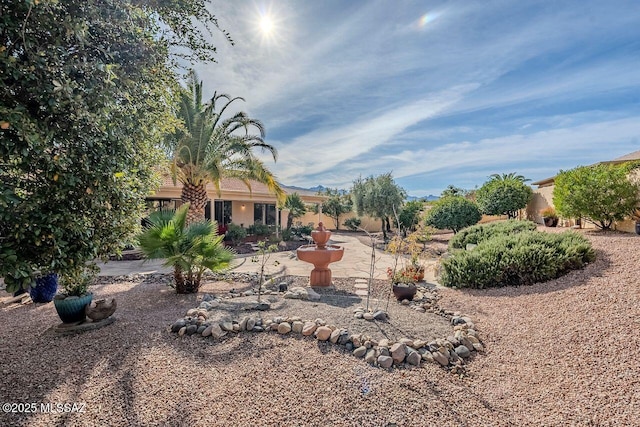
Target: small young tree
<point>601,194</point>
<point>503,195</point>
<point>336,205</point>
<point>296,207</point>
<point>409,216</point>
<point>262,258</point>
<point>453,213</point>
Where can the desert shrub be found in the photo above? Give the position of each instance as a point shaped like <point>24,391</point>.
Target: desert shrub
<point>287,235</point>
<point>453,213</point>
<point>481,232</point>
<point>524,258</point>
<point>259,229</point>
<point>302,231</point>
<point>352,223</point>
<point>235,233</point>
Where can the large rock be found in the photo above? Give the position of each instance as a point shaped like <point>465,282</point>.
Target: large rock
<point>370,358</point>
<point>217,332</point>
<point>414,358</point>
<point>323,333</point>
<point>398,352</point>
<point>360,351</point>
<point>251,323</point>
<point>284,328</point>
<point>297,326</point>
<point>467,343</point>
<point>309,328</point>
<point>333,338</point>
<point>385,361</point>
<point>207,331</point>
<point>440,358</point>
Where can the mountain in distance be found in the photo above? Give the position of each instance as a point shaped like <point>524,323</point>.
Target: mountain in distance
<point>322,188</point>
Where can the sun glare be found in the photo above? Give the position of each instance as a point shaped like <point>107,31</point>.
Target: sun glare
<point>266,25</point>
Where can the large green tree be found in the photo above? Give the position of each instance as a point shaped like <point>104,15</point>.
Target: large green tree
<point>84,99</point>
<point>379,197</point>
<point>212,144</point>
<point>503,195</point>
<point>453,213</point>
<point>601,194</point>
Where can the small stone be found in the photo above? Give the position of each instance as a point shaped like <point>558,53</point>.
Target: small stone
<point>313,295</point>
<point>472,332</point>
<point>323,333</point>
<point>205,305</point>
<point>380,315</point>
<point>427,356</point>
<point>358,315</point>
<point>384,351</point>
<point>414,358</point>
<point>243,323</point>
<point>385,361</point>
<point>465,342</point>
<point>398,352</point>
<point>348,346</point>
<point>192,329</point>
<point>297,326</point>
<point>360,351</point>
<point>248,293</point>
<point>263,306</point>
<point>320,322</point>
<point>407,341</point>
<point>370,358</point>
<point>182,331</point>
<point>236,327</point>
<point>384,342</point>
<point>309,328</point>
<point>192,312</point>
<point>368,344</point>
<point>440,358</point>
<point>420,309</point>
<point>368,316</point>
<point>207,331</point>
<point>473,339</point>
<point>227,326</point>
<point>478,346</point>
<point>290,295</point>
<point>356,340</point>
<point>453,340</point>
<point>284,328</point>
<point>274,326</point>
<point>251,323</point>
<point>333,338</point>
<point>419,343</point>
<point>217,332</point>
<point>178,325</point>
<point>405,302</point>
<point>200,329</point>
<point>258,329</point>
<point>343,338</point>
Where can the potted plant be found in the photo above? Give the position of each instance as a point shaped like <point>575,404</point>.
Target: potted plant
<point>44,288</point>
<point>75,296</point>
<point>549,216</point>
<point>403,282</point>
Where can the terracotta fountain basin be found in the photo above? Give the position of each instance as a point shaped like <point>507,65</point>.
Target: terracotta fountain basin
<point>320,255</point>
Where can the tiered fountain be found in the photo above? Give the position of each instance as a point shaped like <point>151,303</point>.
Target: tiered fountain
<point>320,255</point>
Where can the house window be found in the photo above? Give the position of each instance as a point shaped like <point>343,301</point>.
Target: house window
<point>222,212</point>
<point>264,213</point>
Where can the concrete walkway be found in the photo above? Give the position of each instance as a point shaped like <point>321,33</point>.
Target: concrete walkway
<point>355,262</point>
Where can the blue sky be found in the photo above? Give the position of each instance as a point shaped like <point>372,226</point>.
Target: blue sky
<point>438,92</point>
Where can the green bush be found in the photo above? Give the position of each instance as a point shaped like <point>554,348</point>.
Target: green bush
<point>259,229</point>
<point>352,223</point>
<point>481,232</point>
<point>524,258</point>
<point>235,233</point>
<point>453,213</point>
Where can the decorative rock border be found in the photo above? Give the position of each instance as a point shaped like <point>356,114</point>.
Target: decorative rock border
<point>450,352</point>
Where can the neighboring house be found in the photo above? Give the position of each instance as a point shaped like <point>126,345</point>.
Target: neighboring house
<point>543,198</point>
<point>236,204</point>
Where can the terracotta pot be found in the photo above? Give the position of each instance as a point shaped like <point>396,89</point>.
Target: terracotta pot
<point>404,291</point>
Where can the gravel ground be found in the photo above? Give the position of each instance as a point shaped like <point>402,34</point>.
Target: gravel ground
<point>563,352</point>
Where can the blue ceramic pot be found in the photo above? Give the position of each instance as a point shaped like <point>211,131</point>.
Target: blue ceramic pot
<point>70,309</point>
<point>45,288</point>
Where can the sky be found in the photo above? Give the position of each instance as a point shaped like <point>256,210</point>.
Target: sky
<point>437,92</point>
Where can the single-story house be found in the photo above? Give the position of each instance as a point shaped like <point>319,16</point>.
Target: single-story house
<point>543,198</point>
<point>238,205</point>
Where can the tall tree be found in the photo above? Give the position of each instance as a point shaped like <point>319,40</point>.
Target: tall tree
<point>83,102</point>
<point>601,194</point>
<point>508,177</point>
<point>210,146</point>
<point>379,197</point>
<point>296,207</point>
<point>336,205</point>
<point>503,195</point>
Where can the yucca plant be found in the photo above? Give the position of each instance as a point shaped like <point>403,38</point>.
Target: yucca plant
<point>190,249</point>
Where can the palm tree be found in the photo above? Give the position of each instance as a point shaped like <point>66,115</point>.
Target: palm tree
<point>294,204</point>
<point>209,147</point>
<point>508,177</point>
<point>189,249</point>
